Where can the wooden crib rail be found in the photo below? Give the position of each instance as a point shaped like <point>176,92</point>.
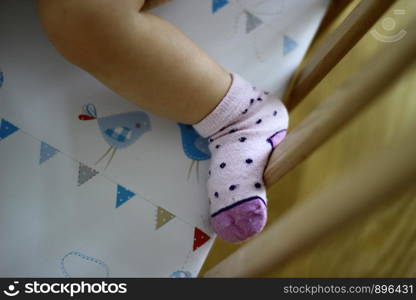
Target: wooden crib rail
<point>335,9</point>
<point>365,185</point>
<point>149,4</point>
<point>335,47</point>
<point>344,104</point>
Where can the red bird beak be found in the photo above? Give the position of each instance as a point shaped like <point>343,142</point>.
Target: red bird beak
<point>85,118</point>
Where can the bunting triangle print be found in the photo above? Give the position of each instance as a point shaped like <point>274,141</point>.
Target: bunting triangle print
<point>163,217</point>
<point>1,78</point>
<point>85,173</point>
<point>252,22</point>
<point>6,129</point>
<point>46,152</point>
<point>123,195</point>
<point>288,45</point>
<point>200,238</point>
<point>218,4</point>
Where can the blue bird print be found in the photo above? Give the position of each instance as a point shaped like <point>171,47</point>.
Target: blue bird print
<point>119,131</point>
<point>194,146</point>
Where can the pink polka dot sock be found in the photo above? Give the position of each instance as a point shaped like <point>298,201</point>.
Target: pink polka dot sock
<point>243,130</point>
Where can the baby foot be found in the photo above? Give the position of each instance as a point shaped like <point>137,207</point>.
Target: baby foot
<point>243,130</point>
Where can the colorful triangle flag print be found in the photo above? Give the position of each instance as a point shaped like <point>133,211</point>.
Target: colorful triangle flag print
<point>200,238</point>
<point>85,173</point>
<point>218,4</point>
<point>1,78</point>
<point>6,129</point>
<point>252,22</point>
<point>288,45</point>
<point>46,152</point>
<point>163,216</point>
<point>123,195</point>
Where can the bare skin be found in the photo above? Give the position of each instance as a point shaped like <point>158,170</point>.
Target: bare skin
<point>138,55</point>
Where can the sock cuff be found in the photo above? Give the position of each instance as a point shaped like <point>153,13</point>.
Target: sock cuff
<point>228,109</point>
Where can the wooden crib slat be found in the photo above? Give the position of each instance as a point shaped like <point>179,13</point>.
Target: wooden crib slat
<point>371,80</point>
<point>361,187</point>
<point>149,4</point>
<point>336,46</point>
<point>335,9</point>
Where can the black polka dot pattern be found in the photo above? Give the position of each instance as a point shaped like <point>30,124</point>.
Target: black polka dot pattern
<point>243,132</point>
<point>251,123</point>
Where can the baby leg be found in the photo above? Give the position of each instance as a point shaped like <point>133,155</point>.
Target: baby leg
<point>139,55</point>
<point>148,61</point>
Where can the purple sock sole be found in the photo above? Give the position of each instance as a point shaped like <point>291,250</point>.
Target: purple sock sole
<point>240,222</point>
<point>277,138</point>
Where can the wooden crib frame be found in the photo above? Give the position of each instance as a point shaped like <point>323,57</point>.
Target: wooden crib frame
<point>367,183</point>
